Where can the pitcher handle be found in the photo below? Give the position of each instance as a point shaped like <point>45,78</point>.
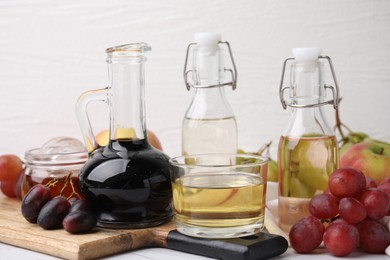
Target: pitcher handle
<point>83,118</point>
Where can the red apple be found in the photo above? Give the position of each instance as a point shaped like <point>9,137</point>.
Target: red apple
<point>372,158</point>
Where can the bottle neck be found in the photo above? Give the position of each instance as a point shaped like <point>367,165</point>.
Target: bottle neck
<point>208,67</point>
<point>307,83</point>
<point>208,70</point>
<point>308,122</point>
<point>209,103</point>
<point>126,97</point>
<point>307,89</point>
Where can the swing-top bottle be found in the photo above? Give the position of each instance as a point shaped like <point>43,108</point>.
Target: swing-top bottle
<point>209,125</point>
<point>308,150</point>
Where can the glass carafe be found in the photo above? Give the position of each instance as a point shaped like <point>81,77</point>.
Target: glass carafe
<point>127,182</point>
<point>209,125</point>
<point>308,150</point>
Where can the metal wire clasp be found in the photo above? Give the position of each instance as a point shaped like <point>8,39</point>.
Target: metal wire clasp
<point>233,72</point>
<point>335,89</point>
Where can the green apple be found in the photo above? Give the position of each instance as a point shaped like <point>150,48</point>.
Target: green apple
<point>356,137</point>
<point>371,157</point>
<point>310,164</point>
<point>313,177</point>
<point>272,171</point>
<point>353,138</point>
<point>299,190</point>
<point>272,174</point>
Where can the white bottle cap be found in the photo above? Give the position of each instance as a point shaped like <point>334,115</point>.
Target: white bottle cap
<point>208,60</point>
<point>207,40</point>
<point>306,54</point>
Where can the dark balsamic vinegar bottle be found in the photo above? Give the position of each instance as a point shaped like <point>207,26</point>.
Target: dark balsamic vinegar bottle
<point>127,182</point>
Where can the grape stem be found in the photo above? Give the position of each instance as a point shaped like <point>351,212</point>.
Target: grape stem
<point>67,181</point>
<point>265,147</point>
<point>324,220</point>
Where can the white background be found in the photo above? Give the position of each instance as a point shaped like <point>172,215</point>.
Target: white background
<point>51,51</point>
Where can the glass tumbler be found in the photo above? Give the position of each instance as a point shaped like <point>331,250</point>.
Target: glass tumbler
<point>219,195</point>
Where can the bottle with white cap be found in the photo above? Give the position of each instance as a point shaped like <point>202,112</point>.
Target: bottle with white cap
<point>308,151</point>
<point>209,125</point>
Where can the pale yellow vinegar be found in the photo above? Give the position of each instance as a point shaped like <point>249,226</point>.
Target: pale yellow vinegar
<point>205,200</point>
<point>209,136</point>
<point>304,168</point>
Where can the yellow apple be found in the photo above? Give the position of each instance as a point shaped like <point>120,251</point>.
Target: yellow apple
<point>207,198</point>
<point>372,158</point>
<point>103,137</point>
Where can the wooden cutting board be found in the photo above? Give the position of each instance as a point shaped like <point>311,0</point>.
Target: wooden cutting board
<point>15,230</point>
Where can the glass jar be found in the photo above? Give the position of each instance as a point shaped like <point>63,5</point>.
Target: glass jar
<point>58,170</point>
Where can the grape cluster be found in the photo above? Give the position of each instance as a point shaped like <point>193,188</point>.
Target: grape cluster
<point>11,175</point>
<point>74,215</point>
<point>347,215</point>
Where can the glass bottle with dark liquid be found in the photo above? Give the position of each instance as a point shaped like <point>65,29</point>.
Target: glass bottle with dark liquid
<point>308,151</point>
<point>127,182</point>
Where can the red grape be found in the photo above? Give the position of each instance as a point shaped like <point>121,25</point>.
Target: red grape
<point>370,182</point>
<point>79,218</point>
<point>79,205</point>
<point>72,200</point>
<point>376,202</point>
<point>351,199</point>
<point>306,234</point>
<point>34,200</point>
<point>18,185</point>
<point>13,188</point>
<point>352,210</point>
<point>387,191</point>
<point>346,182</point>
<point>385,185</point>
<point>324,206</point>
<point>341,238</point>
<point>340,220</point>
<point>7,188</point>
<point>10,167</point>
<point>374,237</point>
<point>53,212</point>
<point>79,222</point>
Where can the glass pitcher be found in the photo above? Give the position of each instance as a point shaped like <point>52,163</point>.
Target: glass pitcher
<point>127,182</point>
<point>308,151</point>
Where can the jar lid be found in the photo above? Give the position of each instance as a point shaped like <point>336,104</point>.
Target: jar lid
<point>35,157</point>
<point>58,151</point>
